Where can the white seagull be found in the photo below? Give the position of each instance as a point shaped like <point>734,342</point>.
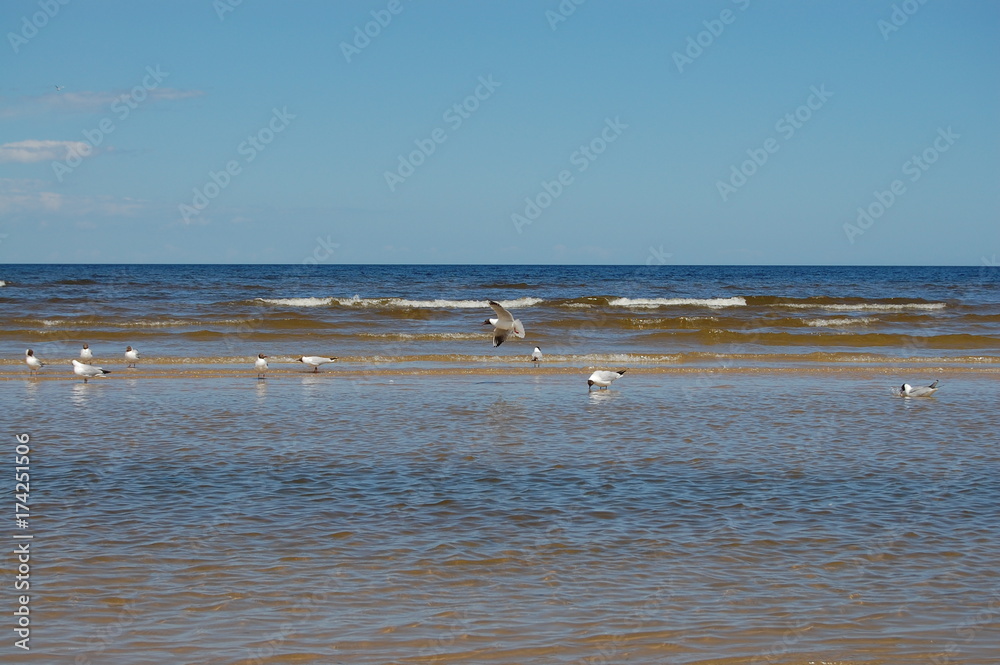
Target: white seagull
<point>536,355</point>
<point>603,378</point>
<point>85,354</point>
<point>504,324</point>
<point>131,356</point>
<point>315,361</point>
<point>906,390</point>
<point>34,364</point>
<point>261,366</point>
<point>87,371</point>
<point>58,87</point>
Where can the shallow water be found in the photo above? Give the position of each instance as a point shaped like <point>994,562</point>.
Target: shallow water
<point>709,517</point>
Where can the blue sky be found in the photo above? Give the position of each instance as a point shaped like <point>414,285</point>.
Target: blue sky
<point>716,132</point>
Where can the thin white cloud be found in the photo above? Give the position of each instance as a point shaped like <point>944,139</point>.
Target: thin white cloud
<point>89,101</point>
<point>22,196</point>
<point>32,150</point>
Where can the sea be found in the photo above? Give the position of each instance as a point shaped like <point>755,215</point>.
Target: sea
<point>753,489</point>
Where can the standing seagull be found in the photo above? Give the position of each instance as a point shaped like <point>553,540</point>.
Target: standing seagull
<point>536,355</point>
<point>261,366</point>
<point>87,371</point>
<point>504,324</point>
<point>906,390</point>
<point>131,356</point>
<point>85,354</point>
<point>34,364</point>
<point>315,361</point>
<point>603,378</point>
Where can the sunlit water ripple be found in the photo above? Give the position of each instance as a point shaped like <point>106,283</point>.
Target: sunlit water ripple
<point>384,519</point>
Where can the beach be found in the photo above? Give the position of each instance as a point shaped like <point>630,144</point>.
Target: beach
<point>436,500</point>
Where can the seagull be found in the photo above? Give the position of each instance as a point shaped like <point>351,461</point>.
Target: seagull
<point>58,87</point>
<point>315,361</point>
<point>85,353</point>
<point>536,355</point>
<point>34,364</point>
<point>906,390</point>
<point>131,356</point>
<point>87,371</point>
<point>603,378</point>
<point>504,324</point>
<point>261,366</point>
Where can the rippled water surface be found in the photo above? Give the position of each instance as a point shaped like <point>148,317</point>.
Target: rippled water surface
<point>399,518</point>
<point>775,314</point>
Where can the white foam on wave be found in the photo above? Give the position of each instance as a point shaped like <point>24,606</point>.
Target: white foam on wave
<point>872,307</point>
<point>156,323</point>
<point>829,323</point>
<point>398,303</point>
<point>651,303</point>
<point>422,336</point>
<point>298,302</point>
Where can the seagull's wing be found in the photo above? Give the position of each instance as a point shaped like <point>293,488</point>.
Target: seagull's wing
<point>518,328</point>
<point>504,319</point>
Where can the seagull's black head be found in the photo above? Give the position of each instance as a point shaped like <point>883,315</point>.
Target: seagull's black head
<point>486,322</point>
<point>589,383</point>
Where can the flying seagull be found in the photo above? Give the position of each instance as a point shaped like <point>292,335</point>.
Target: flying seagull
<point>87,371</point>
<point>315,361</point>
<point>34,364</point>
<point>603,378</point>
<point>504,324</point>
<point>906,390</point>
<point>59,87</point>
